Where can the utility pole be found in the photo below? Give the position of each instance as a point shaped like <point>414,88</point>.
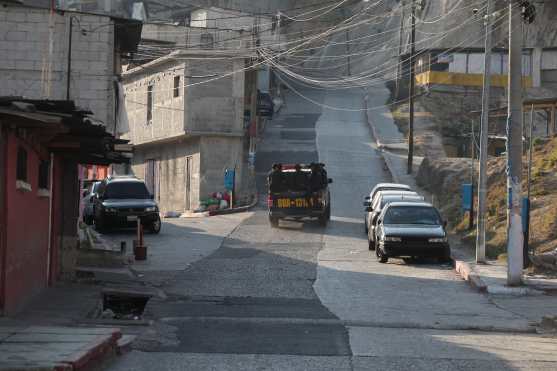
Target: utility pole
<point>484,133</point>
<point>515,235</point>
<point>472,170</point>
<point>412,89</point>
<point>526,257</point>
<point>69,64</point>
<point>348,52</point>
<point>399,64</point>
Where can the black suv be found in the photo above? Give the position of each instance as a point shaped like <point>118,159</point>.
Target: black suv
<point>299,191</point>
<point>121,201</point>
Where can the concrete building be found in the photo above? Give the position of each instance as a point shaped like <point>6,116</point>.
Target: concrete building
<point>186,120</point>
<point>37,60</point>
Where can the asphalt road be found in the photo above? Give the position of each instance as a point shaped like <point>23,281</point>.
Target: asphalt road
<point>303,297</point>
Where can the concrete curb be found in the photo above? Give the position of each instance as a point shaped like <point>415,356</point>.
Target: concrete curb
<point>380,146</point>
<point>467,273</point>
<point>374,132</point>
<point>527,329</point>
<point>206,214</point>
<point>236,209</point>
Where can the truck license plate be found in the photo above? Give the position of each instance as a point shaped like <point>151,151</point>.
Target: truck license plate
<point>288,202</point>
<point>132,218</point>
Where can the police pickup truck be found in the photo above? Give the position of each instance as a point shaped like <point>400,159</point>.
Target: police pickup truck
<point>298,191</point>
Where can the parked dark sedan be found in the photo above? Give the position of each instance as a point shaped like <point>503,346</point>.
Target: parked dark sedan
<point>382,199</point>
<point>411,229</point>
<point>121,201</point>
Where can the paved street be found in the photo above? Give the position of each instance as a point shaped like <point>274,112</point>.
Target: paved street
<point>303,297</point>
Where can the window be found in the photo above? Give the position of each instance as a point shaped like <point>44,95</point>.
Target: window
<point>44,175</point>
<point>124,190</point>
<point>176,86</point>
<point>21,164</point>
<point>149,104</point>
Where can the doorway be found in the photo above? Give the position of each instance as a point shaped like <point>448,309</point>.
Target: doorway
<point>189,167</point>
<point>152,177</point>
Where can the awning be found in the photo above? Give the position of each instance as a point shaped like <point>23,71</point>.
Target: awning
<point>63,128</point>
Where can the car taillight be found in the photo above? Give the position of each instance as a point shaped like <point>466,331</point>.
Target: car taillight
<point>270,201</point>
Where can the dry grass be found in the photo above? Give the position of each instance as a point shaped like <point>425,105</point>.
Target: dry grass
<point>543,231</point>
<point>543,215</point>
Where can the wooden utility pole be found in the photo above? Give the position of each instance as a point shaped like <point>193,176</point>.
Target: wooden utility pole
<point>412,89</point>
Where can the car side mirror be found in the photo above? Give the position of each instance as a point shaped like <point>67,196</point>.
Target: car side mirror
<point>445,223</point>
<point>367,203</point>
<point>369,209</point>
<point>85,193</point>
<point>330,181</point>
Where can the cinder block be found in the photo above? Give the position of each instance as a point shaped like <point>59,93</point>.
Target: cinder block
<point>18,16</point>
<point>37,16</point>
<point>99,84</point>
<point>98,67</point>
<point>16,36</point>
<point>25,27</point>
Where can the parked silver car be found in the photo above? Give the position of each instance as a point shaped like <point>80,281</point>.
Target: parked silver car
<point>89,193</point>
<point>378,188</point>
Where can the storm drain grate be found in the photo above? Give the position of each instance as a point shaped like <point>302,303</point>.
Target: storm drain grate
<point>122,306</point>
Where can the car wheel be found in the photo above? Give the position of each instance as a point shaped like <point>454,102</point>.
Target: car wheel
<point>446,257</point>
<point>324,219</point>
<point>274,221</point>
<point>381,257</point>
<point>99,225</point>
<point>156,226</point>
<point>370,242</point>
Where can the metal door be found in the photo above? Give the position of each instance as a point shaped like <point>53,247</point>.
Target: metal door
<point>187,203</point>
<point>152,177</point>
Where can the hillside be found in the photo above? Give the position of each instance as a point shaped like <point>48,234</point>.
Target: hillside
<point>451,173</point>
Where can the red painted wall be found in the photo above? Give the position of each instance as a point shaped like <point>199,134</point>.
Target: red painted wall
<point>27,231</point>
<point>56,193</point>
<point>3,157</point>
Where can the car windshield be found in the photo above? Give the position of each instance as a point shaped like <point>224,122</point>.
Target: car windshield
<point>387,200</point>
<point>412,215</point>
<point>126,190</point>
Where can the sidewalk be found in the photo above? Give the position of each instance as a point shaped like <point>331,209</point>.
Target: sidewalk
<point>534,300</point>
<point>64,328</point>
